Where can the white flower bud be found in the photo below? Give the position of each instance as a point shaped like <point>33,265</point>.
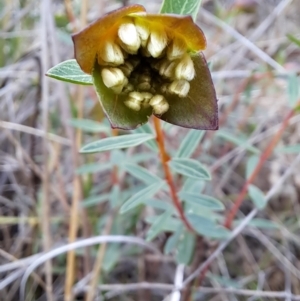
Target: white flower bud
<point>159,104</point>
<point>157,42</point>
<point>167,69</point>
<point>127,68</point>
<point>130,40</point>
<point>179,87</point>
<point>176,49</point>
<point>134,101</point>
<point>143,32</point>
<point>111,54</point>
<point>147,97</point>
<point>114,79</point>
<point>185,68</point>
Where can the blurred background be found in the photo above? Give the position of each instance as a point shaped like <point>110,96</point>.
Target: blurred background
<point>51,195</point>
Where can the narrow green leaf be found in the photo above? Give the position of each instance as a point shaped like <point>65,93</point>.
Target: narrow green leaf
<point>260,223</point>
<point>69,71</point>
<point>238,140</point>
<point>189,143</point>
<point>146,129</point>
<point>95,200</point>
<point>138,198</point>
<point>118,142</point>
<point>293,89</point>
<point>257,197</point>
<point>181,7</point>
<point>251,164</point>
<point>158,204</point>
<point>158,226</point>
<point>207,228</point>
<point>90,126</point>
<point>141,173</point>
<point>293,39</point>
<point>193,185</point>
<point>190,168</point>
<point>171,224</point>
<point>201,200</point>
<point>289,149</point>
<point>93,168</point>
<point>186,248</point>
<point>173,240</point>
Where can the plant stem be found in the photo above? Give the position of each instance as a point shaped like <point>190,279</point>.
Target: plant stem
<point>264,156</point>
<point>164,161</point>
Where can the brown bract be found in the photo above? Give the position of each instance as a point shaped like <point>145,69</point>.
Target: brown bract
<point>87,43</point>
<point>144,64</point>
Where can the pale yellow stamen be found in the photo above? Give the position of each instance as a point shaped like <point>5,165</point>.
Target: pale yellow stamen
<point>147,97</point>
<point>157,42</point>
<point>176,49</point>
<point>167,69</point>
<point>114,79</point>
<point>159,104</point>
<point>130,40</point>
<point>111,54</point>
<point>143,32</point>
<point>179,87</point>
<point>134,100</point>
<point>185,68</point>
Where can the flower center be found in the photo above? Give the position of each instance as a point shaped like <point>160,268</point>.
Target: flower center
<point>146,66</point>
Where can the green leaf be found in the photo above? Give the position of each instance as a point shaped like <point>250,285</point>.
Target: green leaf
<point>93,168</point>
<point>186,248</point>
<point>181,7</point>
<point>173,240</point>
<point>111,257</point>
<point>207,227</point>
<point>260,223</point>
<point>171,224</point>
<point>251,164</point>
<point>290,149</point>
<point>293,39</point>
<point>158,204</point>
<point>190,168</point>
<point>158,226</point>
<point>90,126</point>
<point>95,200</point>
<point>140,197</point>
<point>193,185</point>
<point>147,129</point>
<point>293,89</point>
<point>257,197</point>
<point>201,200</point>
<point>189,143</point>
<point>69,71</point>
<point>240,141</point>
<point>141,173</point>
<point>117,142</point>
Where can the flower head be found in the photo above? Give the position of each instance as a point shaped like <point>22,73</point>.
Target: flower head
<point>145,64</point>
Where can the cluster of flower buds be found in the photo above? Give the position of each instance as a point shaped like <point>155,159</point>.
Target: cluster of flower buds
<point>147,62</point>
<point>142,61</point>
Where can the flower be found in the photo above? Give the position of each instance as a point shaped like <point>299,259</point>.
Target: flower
<point>144,64</point>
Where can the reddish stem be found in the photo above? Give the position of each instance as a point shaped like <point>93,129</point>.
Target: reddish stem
<point>164,161</point>
<point>264,156</point>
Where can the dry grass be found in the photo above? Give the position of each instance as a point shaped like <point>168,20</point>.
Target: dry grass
<point>45,203</point>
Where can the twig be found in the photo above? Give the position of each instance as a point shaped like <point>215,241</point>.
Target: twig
<point>99,261</point>
<point>164,161</point>
<point>264,156</point>
<point>81,244</point>
<point>47,241</point>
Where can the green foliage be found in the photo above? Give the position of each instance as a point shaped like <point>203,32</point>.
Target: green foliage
<point>116,143</point>
<point>181,7</point>
<point>190,168</point>
<point>69,71</point>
